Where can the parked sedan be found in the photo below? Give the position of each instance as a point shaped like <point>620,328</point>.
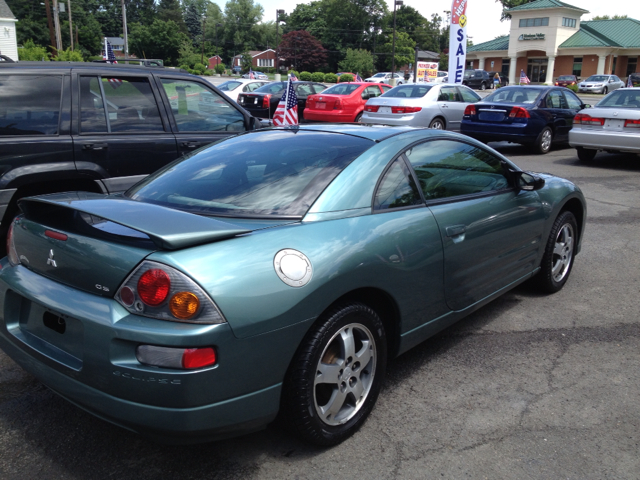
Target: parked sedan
<point>433,105</point>
<point>256,75</point>
<point>233,88</point>
<point>277,270</point>
<point>263,101</point>
<point>600,84</point>
<point>343,102</point>
<point>385,77</point>
<point>566,80</point>
<point>530,115</point>
<point>612,125</point>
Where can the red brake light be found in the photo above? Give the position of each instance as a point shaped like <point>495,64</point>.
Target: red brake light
<point>154,286</point>
<point>584,119</point>
<point>470,110</point>
<point>198,357</point>
<point>371,108</point>
<point>632,124</point>
<point>519,112</point>
<point>55,235</point>
<point>266,100</point>
<point>405,109</point>
<point>557,84</point>
<point>338,104</point>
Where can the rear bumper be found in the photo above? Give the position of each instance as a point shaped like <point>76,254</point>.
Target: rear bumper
<point>603,140</point>
<point>328,116</point>
<point>496,132</point>
<point>591,89</point>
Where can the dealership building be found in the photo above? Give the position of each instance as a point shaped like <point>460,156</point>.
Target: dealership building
<point>549,39</point>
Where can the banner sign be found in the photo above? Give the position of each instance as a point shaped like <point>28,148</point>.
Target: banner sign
<point>427,72</point>
<point>458,41</point>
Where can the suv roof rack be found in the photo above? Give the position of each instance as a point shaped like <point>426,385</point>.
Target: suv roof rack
<point>147,62</point>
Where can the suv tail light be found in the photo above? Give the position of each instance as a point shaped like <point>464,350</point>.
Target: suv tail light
<point>584,119</point>
<point>632,124</point>
<point>470,110</point>
<point>158,291</point>
<point>405,109</point>
<point>519,112</point>
<point>371,108</point>
<point>266,100</point>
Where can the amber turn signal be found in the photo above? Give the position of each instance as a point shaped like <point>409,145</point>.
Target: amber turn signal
<point>184,305</point>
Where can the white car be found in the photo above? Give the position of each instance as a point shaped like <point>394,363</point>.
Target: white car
<point>385,77</point>
<point>232,88</point>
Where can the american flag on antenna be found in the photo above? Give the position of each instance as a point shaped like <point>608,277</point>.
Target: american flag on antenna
<point>108,52</point>
<point>293,78</point>
<point>358,77</point>
<point>287,111</point>
<point>251,75</point>
<point>523,77</point>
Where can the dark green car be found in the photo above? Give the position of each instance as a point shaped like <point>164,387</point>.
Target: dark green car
<point>277,270</point>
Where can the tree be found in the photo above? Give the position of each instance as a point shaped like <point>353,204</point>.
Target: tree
<point>158,40</point>
<point>240,18</point>
<point>169,10</point>
<point>607,17</point>
<point>358,61</point>
<point>194,23</point>
<point>405,50</point>
<point>303,50</point>
<point>507,4</point>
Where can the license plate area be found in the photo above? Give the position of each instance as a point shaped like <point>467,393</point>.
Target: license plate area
<point>54,335</point>
<point>321,105</point>
<point>384,110</point>
<point>611,124</point>
<point>491,116</point>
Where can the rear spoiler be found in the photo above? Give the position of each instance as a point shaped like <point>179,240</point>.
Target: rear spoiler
<point>168,229</point>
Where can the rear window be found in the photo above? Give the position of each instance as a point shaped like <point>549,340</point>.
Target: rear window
<point>514,95</point>
<point>274,173</point>
<point>408,91</point>
<point>566,77</point>
<point>30,104</point>
<point>230,85</point>
<point>275,87</point>
<point>621,99</point>
<point>341,89</point>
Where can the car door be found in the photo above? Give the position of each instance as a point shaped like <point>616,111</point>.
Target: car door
<point>119,129</point>
<point>557,113</point>
<point>491,232</point>
<point>451,106</point>
<point>573,104</point>
<point>198,114</point>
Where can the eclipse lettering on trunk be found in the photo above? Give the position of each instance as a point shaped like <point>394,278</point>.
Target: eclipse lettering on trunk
<point>160,381</point>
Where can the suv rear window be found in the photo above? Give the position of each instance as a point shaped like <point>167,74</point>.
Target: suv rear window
<point>30,104</point>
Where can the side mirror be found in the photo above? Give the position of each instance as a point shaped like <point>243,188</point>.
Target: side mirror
<point>529,182</point>
<point>254,124</point>
<point>586,105</point>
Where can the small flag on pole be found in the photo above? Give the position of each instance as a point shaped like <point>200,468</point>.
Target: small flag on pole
<point>358,77</point>
<point>629,82</point>
<point>293,78</point>
<point>108,52</point>
<point>523,78</point>
<point>251,75</point>
<point>287,111</point>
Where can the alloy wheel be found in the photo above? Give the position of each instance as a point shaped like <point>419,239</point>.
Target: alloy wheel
<point>562,252</point>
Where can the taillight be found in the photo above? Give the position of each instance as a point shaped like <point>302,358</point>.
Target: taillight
<point>470,110</point>
<point>180,358</point>
<point>198,357</point>
<point>557,84</point>
<point>572,83</point>
<point>405,109</point>
<point>371,108</point>
<point>338,104</point>
<point>158,291</point>
<point>12,254</point>
<point>584,119</point>
<point>266,100</point>
<point>519,112</point>
<point>632,124</point>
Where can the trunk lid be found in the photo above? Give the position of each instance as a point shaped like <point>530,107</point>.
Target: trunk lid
<point>495,113</point>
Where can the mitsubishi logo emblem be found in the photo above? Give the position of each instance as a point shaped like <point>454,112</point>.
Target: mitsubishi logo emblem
<point>50,260</point>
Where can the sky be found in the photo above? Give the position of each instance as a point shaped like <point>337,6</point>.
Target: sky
<point>483,15</point>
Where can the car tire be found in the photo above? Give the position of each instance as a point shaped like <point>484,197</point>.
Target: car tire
<point>437,124</point>
<point>342,357</point>
<point>559,254</point>
<point>586,154</point>
<point>544,141</point>
<point>483,86</point>
<point>358,118</point>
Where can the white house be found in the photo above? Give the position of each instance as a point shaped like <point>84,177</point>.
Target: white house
<point>8,41</point>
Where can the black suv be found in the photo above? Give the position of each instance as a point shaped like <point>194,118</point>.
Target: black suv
<point>101,127</point>
<point>477,79</point>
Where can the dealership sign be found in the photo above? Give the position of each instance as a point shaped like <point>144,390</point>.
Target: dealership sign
<point>427,72</point>
<point>458,40</point>
<point>531,36</point>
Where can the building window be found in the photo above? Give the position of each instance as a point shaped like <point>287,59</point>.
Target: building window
<point>505,66</point>
<point>534,22</point>
<point>569,22</point>
<point>632,65</point>
<point>265,62</point>
<point>577,66</point>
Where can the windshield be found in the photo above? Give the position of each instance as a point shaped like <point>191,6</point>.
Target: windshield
<point>230,85</point>
<point>469,73</point>
<point>341,89</point>
<point>268,173</point>
<point>514,95</point>
<point>275,87</point>
<point>621,99</point>
<point>408,91</point>
<point>597,78</point>
<point>566,77</point>
<point>379,75</point>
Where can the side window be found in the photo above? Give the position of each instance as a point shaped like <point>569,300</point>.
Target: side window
<point>448,94</point>
<point>555,99</point>
<point>370,92</point>
<point>397,188</point>
<point>29,104</point>
<point>447,168</point>
<point>572,101</point>
<point>92,114</point>
<point>198,109</point>
<point>468,95</point>
<point>318,88</point>
<point>131,105</point>
<point>303,90</point>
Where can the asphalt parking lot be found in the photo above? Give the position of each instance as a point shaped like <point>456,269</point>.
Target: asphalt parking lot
<point>530,386</point>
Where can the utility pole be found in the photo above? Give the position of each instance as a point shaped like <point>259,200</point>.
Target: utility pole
<point>277,62</point>
<point>124,30</point>
<point>70,24</point>
<point>52,35</point>
<point>393,52</point>
<point>56,23</point>
<point>204,19</point>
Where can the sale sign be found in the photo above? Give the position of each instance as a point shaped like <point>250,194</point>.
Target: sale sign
<point>427,72</point>
<point>458,41</point>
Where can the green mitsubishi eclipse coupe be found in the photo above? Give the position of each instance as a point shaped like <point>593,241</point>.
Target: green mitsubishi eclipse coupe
<point>274,271</point>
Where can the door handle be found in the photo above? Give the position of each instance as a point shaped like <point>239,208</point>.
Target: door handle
<point>191,144</point>
<point>444,105</point>
<point>456,230</point>
<point>95,146</point>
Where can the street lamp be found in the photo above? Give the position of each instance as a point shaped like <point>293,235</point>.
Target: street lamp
<point>393,52</point>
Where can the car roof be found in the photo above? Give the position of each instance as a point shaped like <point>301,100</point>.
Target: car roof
<point>120,68</point>
<point>370,132</point>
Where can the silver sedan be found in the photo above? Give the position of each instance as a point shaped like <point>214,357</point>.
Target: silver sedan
<point>600,84</point>
<point>433,105</point>
<point>612,125</point>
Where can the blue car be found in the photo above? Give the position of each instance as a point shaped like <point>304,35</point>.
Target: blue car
<point>530,115</point>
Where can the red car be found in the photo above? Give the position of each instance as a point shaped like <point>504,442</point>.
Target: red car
<point>566,80</point>
<point>343,102</point>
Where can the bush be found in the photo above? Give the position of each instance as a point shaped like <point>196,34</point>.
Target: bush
<point>220,68</point>
<point>331,78</point>
<point>317,77</point>
<point>293,72</point>
<point>184,67</point>
<point>198,67</point>
<point>346,77</point>
<point>305,76</point>
<point>32,52</point>
<point>573,88</point>
<point>69,55</point>
<point>208,72</point>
